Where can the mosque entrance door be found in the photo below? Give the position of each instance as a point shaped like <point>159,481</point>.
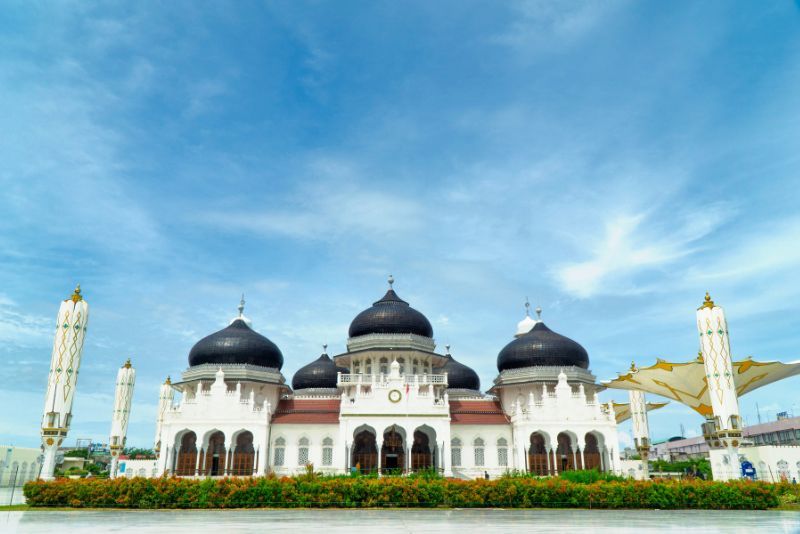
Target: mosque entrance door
<point>187,455</point>
<point>565,454</point>
<point>215,455</point>
<point>365,452</point>
<point>537,456</point>
<point>591,452</point>
<point>421,456</point>
<point>392,453</point>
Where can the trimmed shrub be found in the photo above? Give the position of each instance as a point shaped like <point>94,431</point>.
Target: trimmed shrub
<point>366,492</point>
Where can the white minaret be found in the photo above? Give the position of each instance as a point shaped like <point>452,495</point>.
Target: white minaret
<point>73,318</point>
<point>723,432</point>
<point>641,429</point>
<point>165,398</point>
<point>126,378</point>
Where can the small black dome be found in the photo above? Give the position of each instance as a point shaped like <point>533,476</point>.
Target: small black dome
<point>237,343</point>
<point>542,346</point>
<point>321,373</point>
<point>459,376</point>
<point>390,315</point>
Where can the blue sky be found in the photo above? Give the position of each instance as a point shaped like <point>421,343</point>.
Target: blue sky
<point>610,160</point>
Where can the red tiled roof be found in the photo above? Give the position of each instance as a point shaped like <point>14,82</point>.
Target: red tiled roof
<point>306,411</point>
<point>478,412</point>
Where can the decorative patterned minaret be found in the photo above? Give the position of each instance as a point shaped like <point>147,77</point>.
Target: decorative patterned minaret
<point>73,318</point>
<point>126,378</point>
<point>641,428</point>
<point>723,433</point>
<point>165,398</point>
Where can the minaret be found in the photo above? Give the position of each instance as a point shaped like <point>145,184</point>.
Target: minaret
<point>71,323</point>
<point>723,432</point>
<point>641,428</point>
<point>165,397</point>
<point>126,377</point>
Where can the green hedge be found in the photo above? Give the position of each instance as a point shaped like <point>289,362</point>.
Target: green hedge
<point>362,492</point>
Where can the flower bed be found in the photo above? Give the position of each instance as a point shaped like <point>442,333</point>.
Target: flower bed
<point>362,492</point>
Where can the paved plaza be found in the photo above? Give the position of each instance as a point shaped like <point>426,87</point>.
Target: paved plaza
<point>408,521</point>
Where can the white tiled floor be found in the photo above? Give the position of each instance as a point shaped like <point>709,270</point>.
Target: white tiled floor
<point>384,521</point>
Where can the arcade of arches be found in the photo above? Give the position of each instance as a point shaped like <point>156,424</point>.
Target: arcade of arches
<point>394,454</point>
<point>565,456</point>
<point>215,459</point>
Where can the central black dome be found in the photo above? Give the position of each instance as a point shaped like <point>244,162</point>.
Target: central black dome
<point>390,315</point>
<point>237,343</point>
<point>459,376</point>
<point>321,373</point>
<point>542,346</point>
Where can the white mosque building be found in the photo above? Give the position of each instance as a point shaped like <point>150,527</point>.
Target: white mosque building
<point>390,403</point>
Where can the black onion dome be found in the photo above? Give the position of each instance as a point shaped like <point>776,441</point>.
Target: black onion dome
<point>542,346</point>
<point>459,376</point>
<point>237,343</point>
<point>321,373</point>
<point>390,315</point>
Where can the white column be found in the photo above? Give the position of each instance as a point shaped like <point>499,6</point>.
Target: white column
<point>65,361</point>
<point>641,428</point>
<point>715,349</point>
<point>123,395</point>
<point>166,395</point>
<point>554,454</point>
<point>379,445</point>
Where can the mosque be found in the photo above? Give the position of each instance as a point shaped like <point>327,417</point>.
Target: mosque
<point>390,403</point>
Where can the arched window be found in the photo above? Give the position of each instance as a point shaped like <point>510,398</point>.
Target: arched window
<point>23,473</point>
<point>783,470</point>
<point>402,362</point>
<point>415,367</point>
<point>357,367</point>
<point>502,452</point>
<point>455,452</point>
<point>280,452</point>
<point>327,451</point>
<point>479,456</point>
<point>302,452</point>
<point>384,365</point>
<point>368,369</point>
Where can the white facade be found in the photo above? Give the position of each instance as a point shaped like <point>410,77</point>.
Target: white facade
<point>389,405</point>
<point>18,465</point>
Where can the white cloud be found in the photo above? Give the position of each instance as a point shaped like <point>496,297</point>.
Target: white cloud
<point>634,243</point>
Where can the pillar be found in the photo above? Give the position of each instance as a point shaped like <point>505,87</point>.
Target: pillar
<point>723,432</point>
<point>641,429</point>
<point>65,361</point>
<point>123,395</point>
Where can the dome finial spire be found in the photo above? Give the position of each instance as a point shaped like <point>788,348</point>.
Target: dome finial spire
<point>241,306</point>
<point>447,348</point>
<point>527,307</point>
<point>538,311</point>
<point>391,281</point>
<point>76,295</point>
<point>324,348</point>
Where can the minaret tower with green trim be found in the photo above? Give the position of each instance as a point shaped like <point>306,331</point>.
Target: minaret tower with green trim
<point>722,432</point>
<point>71,323</point>
<point>123,395</point>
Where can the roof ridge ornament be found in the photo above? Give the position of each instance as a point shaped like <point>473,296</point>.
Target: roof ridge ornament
<point>538,311</point>
<point>325,349</point>
<point>391,281</point>
<point>527,307</point>
<point>447,348</point>
<point>707,302</point>
<point>241,306</point>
